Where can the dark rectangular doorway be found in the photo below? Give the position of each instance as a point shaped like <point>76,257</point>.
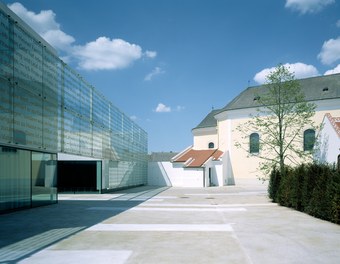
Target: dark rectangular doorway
<point>77,176</point>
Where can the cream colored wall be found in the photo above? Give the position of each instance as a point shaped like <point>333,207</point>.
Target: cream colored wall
<point>243,164</point>
<point>202,142</point>
<point>203,136</point>
<point>223,133</point>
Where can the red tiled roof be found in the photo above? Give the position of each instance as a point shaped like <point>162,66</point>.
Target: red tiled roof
<point>337,124</point>
<point>196,158</point>
<point>335,121</point>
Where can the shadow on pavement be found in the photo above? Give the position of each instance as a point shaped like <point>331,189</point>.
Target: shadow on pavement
<point>26,232</point>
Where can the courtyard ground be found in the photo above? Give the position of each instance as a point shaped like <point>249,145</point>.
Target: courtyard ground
<point>231,224</point>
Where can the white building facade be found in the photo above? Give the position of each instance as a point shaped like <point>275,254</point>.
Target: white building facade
<point>217,131</point>
<point>328,149</point>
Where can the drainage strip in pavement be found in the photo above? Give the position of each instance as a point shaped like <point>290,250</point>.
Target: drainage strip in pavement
<point>163,227</point>
<point>168,209</point>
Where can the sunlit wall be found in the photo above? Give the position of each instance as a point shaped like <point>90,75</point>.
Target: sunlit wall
<point>47,108</point>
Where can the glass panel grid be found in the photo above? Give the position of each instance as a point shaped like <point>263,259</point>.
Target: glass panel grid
<point>46,105</point>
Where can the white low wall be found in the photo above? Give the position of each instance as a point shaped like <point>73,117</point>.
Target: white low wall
<point>157,175</point>
<point>216,173</point>
<point>173,174</point>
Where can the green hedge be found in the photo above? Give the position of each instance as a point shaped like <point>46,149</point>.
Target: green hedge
<point>311,188</point>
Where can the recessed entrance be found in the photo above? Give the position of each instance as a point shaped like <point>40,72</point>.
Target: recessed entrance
<point>77,176</point>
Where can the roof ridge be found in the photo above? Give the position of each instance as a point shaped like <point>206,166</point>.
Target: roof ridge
<point>314,88</point>
<point>181,154</point>
<point>209,120</point>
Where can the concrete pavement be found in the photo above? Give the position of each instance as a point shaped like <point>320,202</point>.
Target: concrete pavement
<point>232,224</point>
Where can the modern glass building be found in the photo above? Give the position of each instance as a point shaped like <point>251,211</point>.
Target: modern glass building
<point>57,132</point>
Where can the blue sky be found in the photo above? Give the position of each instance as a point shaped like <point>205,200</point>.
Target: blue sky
<point>166,63</point>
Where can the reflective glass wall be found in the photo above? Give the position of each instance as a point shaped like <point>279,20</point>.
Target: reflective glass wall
<point>28,86</point>
<point>47,108</point>
<point>27,178</point>
<point>44,178</point>
<point>15,178</point>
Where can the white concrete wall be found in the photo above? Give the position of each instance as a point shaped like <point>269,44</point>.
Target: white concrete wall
<point>218,173</point>
<point>328,144</point>
<point>228,172</point>
<point>173,174</point>
<point>216,168</point>
<point>157,175</point>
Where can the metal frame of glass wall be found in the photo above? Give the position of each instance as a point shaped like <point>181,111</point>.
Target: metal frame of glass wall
<point>47,108</point>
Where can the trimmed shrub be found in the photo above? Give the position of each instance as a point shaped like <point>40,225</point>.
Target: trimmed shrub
<point>284,190</point>
<point>311,188</point>
<point>274,183</point>
<point>297,187</point>
<point>335,207</point>
<point>320,193</point>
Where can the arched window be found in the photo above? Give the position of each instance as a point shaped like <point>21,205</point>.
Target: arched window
<point>254,143</point>
<point>211,145</point>
<point>308,139</point>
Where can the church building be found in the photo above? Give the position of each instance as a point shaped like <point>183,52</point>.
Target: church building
<point>215,160</point>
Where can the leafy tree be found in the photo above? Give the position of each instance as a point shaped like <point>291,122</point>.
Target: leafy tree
<point>280,119</point>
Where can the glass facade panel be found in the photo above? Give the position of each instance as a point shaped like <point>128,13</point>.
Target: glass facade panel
<point>44,178</point>
<point>15,180</point>
<point>85,140</point>
<point>45,106</point>
<point>70,135</point>
<point>27,118</point>
<point>51,126</point>
<point>6,115</point>
<point>86,101</point>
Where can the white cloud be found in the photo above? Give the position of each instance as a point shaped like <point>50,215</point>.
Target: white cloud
<point>153,73</point>
<point>330,51</point>
<point>58,39</point>
<point>107,54</point>
<point>44,24</point>
<point>41,22</point>
<point>333,71</point>
<point>299,69</point>
<point>102,54</point>
<point>150,54</point>
<point>260,77</point>
<point>308,6</point>
<point>162,108</point>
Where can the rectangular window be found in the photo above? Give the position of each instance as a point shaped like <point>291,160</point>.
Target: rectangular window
<point>308,139</point>
<point>254,143</point>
